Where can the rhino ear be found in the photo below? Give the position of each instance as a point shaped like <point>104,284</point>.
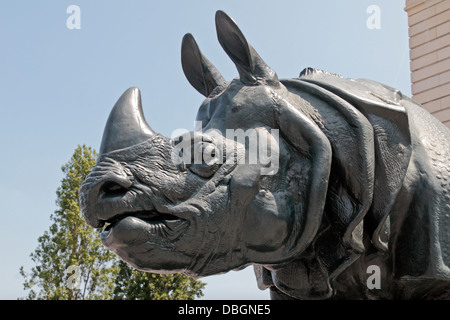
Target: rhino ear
<point>199,71</point>
<point>252,69</point>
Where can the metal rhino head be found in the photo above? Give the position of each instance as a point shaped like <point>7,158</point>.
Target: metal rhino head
<point>280,174</point>
<point>206,217</point>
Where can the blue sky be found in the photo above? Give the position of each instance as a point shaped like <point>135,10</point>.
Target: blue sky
<point>57,86</point>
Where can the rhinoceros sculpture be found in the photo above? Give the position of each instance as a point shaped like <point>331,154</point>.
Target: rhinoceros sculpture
<point>334,180</point>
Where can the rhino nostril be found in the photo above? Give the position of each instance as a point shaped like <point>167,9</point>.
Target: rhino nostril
<point>112,189</point>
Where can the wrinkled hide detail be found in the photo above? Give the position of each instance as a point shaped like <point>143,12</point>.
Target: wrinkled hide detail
<point>314,180</point>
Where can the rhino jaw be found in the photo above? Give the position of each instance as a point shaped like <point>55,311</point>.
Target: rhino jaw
<point>144,227</point>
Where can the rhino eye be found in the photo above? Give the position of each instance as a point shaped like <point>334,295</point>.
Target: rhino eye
<point>205,160</point>
<point>203,170</point>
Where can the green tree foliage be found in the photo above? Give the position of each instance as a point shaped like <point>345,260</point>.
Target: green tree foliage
<point>132,284</point>
<point>72,264</point>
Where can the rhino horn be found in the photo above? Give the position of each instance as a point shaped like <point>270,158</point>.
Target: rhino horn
<point>252,68</point>
<point>126,125</point>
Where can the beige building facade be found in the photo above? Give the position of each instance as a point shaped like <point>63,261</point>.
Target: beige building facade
<point>429,44</point>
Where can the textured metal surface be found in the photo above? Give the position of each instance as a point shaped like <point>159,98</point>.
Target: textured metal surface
<point>348,196</point>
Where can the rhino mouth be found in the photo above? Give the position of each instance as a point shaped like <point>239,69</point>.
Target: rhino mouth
<point>143,226</point>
